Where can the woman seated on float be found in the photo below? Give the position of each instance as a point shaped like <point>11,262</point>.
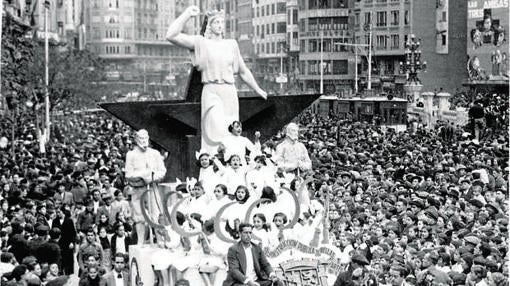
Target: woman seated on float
<point>234,174</point>
<point>261,233</point>
<point>180,252</point>
<point>209,172</point>
<point>219,200</point>
<point>213,267</point>
<point>260,176</point>
<point>198,201</point>
<point>235,213</point>
<point>235,143</point>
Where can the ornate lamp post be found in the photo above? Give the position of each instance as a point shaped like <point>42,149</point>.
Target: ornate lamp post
<point>411,66</point>
<point>413,63</point>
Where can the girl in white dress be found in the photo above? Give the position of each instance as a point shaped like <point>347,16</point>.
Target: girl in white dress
<point>260,176</point>
<point>220,199</point>
<point>209,175</point>
<point>236,144</point>
<point>235,213</point>
<point>261,232</point>
<point>234,174</point>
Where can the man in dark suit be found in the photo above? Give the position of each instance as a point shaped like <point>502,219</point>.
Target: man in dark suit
<point>118,276</point>
<point>251,272</point>
<point>67,239</point>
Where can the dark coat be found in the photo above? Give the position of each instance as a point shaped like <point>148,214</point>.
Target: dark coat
<point>113,243</point>
<point>237,264</point>
<point>68,233</point>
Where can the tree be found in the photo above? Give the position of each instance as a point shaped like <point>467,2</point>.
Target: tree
<point>72,73</point>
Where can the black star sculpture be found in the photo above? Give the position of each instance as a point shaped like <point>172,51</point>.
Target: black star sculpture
<point>175,124</point>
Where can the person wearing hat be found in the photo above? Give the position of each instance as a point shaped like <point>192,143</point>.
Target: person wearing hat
<point>356,272</point>
<point>144,167</point>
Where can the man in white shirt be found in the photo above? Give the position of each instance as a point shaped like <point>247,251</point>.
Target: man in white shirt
<point>251,272</point>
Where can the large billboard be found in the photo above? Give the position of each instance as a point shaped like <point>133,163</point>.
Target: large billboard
<point>487,39</point>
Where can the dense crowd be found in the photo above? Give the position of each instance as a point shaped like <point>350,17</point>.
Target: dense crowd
<point>413,208</point>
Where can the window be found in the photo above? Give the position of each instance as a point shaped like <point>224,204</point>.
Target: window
<point>227,26</point>
<point>273,28</point>
<point>443,16</point>
<point>326,45</point>
<point>302,46</point>
<point>273,50</point>
<point>273,9</point>
<point>281,27</point>
<point>312,46</point>
<point>368,18</point>
<point>395,42</point>
<point>443,39</point>
<point>337,45</point>
<point>356,19</point>
<point>313,24</point>
<point>60,28</point>
<point>257,31</point>
<point>381,42</point>
<point>258,10</point>
<point>313,67</point>
<point>406,17</point>
<point>268,29</point>
<point>312,4</point>
<point>381,19</point>
<point>340,67</point>
<point>325,24</point>
<point>262,11</point>
<point>340,23</point>
<point>281,8</point>
<point>394,18</point>
<point>294,16</point>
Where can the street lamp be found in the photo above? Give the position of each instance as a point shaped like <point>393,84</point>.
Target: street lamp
<point>412,64</point>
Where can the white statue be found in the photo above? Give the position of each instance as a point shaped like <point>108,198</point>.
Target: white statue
<point>144,166</point>
<point>218,60</point>
<point>291,155</point>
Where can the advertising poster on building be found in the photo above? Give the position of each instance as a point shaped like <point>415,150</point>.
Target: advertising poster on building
<point>487,39</point>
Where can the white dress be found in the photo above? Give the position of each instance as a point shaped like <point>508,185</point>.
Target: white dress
<point>218,61</point>
<point>209,179</point>
<point>237,145</point>
<point>234,178</point>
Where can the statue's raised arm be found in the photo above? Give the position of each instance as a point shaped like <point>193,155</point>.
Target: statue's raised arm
<point>218,60</point>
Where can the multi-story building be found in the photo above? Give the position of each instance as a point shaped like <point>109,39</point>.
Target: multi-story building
<point>389,24</point>
<point>130,36</point>
<point>323,29</point>
<point>270,41</point>
<point>439,26</point>
<point>63,22</point>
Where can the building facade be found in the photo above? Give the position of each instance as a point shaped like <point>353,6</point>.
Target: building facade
<point>324,27</point>
<point>270,41</point>
<point>388,22</point>
<point>130,36</point>
<point>438,25</point>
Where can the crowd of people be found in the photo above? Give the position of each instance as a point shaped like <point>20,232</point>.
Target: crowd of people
<point>402,208</point>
